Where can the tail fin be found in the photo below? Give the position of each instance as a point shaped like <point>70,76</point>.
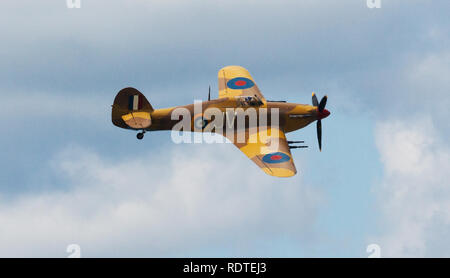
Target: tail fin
<point>131,109</point>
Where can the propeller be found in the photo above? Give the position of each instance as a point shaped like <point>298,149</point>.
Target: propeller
<point>322,113</point>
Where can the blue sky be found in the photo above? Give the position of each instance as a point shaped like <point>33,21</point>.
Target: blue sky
<point>69,176</point>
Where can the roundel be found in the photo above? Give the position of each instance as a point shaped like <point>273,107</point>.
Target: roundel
<point>240,83</point>
<point>200,123</point>
<point>276,157</point>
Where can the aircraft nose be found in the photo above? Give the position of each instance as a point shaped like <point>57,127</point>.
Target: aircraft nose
<point>325,113</point>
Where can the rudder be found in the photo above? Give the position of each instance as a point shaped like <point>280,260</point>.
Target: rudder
<point>131,109</point>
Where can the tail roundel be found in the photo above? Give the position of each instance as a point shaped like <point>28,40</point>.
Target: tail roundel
<point>131,109</point>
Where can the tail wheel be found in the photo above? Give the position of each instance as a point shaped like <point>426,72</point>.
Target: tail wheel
<point>140,135</point>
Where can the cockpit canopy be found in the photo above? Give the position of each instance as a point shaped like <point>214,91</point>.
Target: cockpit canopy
<point>248,101</point>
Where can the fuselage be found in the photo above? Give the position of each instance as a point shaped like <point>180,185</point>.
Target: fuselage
<point>291,116</point>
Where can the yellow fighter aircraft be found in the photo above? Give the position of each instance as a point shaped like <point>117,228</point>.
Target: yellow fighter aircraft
<point>237,89</point>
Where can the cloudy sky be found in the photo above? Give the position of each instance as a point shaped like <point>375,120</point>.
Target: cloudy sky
<point>68,176</point>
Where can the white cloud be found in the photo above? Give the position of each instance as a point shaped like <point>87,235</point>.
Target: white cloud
<point>158,205</point>
<point>414,194</point>
<point>426,77</point>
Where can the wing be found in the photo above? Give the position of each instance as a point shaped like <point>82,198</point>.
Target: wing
<point>268,148</point>
<point>237,81</point>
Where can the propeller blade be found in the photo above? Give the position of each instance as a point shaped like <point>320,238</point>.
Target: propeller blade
<point>314,100</point>
<point>319,133</point>
<point>209,93</point>
<point>322,103</point>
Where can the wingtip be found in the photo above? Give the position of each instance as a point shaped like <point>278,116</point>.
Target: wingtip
<point>280,172</point>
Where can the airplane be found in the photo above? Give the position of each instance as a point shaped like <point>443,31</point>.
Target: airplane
<point>237,89</point>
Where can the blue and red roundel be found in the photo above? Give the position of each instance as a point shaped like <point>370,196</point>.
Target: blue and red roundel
<point>240,83</point>
<point>277,157</point>
<point>200,123</point>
